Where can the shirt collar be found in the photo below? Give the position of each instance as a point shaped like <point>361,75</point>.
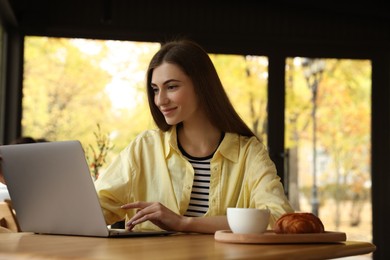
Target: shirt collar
<point>229,147</point>
<point>170,141</point>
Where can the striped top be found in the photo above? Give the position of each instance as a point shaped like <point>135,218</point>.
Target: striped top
<point>199,199</point>
<point>199,202</point>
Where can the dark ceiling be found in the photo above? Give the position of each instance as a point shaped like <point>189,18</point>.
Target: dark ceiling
<point>254,25</point>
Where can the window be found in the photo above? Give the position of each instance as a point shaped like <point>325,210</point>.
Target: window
<point>245,81</point>
<point>328,114</point>
<point>91,89</point>
<point>75,87</point>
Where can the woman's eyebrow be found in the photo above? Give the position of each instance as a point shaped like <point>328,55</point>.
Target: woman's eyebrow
<point>166,82</point>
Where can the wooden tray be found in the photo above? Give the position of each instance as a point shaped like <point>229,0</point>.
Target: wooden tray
<point>270,237</point>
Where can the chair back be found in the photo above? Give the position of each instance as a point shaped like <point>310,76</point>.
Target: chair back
<point>8,218</point>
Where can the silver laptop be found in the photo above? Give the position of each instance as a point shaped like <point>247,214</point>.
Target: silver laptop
<point>52,190</point>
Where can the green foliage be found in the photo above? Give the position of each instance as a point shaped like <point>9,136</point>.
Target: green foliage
<point>62,91</point>
<point>96,154</point>
<point>65,90</point>
<point>343,127</point>
<point>245,81</point>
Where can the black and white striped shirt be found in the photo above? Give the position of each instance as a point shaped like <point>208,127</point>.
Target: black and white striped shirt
<point>199,202</point>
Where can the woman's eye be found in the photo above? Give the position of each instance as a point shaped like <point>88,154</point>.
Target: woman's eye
<point>172,87</point>
<point>155,90</point>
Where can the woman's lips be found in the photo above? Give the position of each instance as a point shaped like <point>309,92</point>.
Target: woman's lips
<point>168,111</point>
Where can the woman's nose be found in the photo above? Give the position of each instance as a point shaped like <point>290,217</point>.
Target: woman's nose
<point>161,98</point>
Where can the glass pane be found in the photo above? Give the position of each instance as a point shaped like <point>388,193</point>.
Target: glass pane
<point>71,85</point>
<point>245,80</point>
<point>328,114</point>
<point>94,91</point>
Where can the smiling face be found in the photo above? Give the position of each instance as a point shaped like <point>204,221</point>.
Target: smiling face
<point>174,94</point>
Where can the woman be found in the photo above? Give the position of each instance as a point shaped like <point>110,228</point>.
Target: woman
<point>201,160</point>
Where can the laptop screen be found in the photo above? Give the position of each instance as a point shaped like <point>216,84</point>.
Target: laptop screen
<point>51,188</point>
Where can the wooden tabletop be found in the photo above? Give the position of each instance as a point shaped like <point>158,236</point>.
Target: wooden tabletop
<point>177,246</point>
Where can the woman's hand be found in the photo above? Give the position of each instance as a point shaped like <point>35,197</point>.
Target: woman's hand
<point>166,219</point>
<point>155,212</point>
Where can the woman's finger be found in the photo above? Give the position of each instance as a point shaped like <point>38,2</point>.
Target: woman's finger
<point>135,205</point>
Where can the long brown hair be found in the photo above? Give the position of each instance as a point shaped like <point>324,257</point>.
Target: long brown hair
<point>197,65</point>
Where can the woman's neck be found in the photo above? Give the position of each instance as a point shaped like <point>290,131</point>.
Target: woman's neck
<point>199,140</point>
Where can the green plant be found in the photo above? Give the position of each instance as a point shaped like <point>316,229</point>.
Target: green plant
<point>99,154</point>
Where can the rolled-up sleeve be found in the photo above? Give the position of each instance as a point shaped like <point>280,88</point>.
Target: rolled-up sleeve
<point>112,188</point>
<point>265,187</point>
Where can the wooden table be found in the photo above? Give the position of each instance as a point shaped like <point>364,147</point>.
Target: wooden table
<point>177,246</point>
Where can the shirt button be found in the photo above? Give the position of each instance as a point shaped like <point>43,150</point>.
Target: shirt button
<point>215,168</point>
<point>188,187</point>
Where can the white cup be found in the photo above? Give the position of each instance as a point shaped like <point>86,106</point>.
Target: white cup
<point>248,220</point>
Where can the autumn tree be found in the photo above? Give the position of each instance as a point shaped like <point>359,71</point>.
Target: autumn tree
<point>67,91</point>
<point>63,91</point>
<point>343,127</point>
<point>245,81</point>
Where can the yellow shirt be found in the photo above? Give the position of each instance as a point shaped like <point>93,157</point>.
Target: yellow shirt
<point>152,169</point>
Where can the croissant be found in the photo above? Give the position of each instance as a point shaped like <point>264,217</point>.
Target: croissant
<point>298,223</point>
